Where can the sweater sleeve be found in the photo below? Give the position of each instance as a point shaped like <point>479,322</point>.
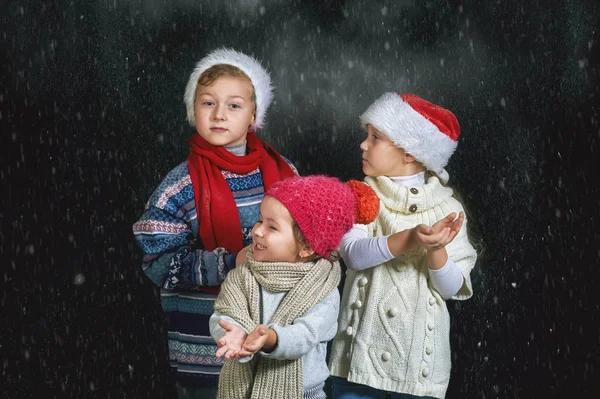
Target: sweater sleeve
<point>318,325</point>
<point>164,234</point>
<point>462,253</point>
<point>448,280</point>
<point>216,331</point>
<point>360,251</point>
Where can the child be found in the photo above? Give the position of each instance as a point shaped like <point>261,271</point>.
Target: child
<point>202,213</point>
<point>277,311</point>
<point>393,337</point>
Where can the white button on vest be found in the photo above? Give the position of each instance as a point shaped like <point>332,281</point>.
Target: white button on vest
<point>392,312</point>
<point>385,356</point>
<point>349,330</point>
<point>357,304</point>
<point>431,300</point>
<point>430,325</point>
<point>362,281</point>
<point>428,350</point>
<point>425,372</point>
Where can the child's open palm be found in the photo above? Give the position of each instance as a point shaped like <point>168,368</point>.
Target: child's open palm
<point>231,343</point>
<point>255,341</point>
<point>441,233</point>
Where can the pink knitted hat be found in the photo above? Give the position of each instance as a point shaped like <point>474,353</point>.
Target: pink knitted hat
<point>325,208</point>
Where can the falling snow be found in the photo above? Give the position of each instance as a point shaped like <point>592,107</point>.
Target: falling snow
<point>92,119</point>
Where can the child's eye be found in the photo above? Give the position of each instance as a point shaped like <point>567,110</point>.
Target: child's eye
<point>207,103</point>
<point>272,228</point>
<point>235,106</point>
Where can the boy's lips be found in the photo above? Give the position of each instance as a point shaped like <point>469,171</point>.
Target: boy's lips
<point>217,129</point>
<point>258,246</point>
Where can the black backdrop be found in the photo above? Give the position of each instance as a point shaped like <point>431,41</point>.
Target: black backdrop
<point>92,118</point>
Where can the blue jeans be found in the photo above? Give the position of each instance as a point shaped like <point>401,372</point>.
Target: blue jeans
<point>344,389</point>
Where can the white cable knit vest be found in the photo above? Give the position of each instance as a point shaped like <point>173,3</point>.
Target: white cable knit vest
<point>394,328</point>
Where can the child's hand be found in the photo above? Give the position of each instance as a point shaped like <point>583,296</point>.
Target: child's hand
<point>231,343</point>
<point>261,337</point>
<point>441,233</point>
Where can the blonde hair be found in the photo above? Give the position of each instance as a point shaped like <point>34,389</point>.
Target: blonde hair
<point>215,72</point>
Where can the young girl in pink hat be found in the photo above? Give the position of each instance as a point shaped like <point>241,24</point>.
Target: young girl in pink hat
<point>394,327</point>
<point>277,311</point>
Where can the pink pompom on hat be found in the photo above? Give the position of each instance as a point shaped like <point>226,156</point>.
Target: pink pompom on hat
<point>426,131</point>
<point>325,208</point>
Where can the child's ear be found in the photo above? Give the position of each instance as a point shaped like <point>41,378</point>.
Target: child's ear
<point>306,251</point>
<point>409,158</point>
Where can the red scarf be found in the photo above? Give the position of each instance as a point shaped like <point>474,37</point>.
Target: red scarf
<point>218,217</point>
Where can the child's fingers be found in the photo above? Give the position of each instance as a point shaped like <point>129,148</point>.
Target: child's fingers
<point>253,347</point>
<point>225,325</point>
<point>262,330</point>
<point>450,227</point>
<point>445,234</point>
<point>256,339</point>
<point>450,217</point>
<point>459,221</point>
<point>245,353</point>
<point>436,238</point>
<point>221,351</point>
<point>425,230</point>
<point>447,219</point>
<point>451,236</point>
<point>447,239</point>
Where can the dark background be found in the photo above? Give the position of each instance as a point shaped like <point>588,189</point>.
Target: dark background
<point>92,117</point>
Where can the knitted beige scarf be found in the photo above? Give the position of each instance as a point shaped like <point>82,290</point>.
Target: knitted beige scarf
<point>306,284</point>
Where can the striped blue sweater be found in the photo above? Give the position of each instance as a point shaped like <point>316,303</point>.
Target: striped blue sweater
<point>173,259</point>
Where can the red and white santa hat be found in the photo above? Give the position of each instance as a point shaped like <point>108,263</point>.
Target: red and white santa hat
<point>260,78</point>
<point>426,131</point>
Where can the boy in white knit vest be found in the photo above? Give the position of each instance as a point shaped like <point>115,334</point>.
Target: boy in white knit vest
<point>277,311</point>
<point>393,336</point>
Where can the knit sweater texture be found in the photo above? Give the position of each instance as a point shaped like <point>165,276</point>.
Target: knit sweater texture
<point>394,328</point>
<point>304,318</point>
<point>175,260</point>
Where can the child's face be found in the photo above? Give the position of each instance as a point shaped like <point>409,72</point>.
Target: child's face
<point>224,111</point>
<point>273,236</point>
<point>381,157</point>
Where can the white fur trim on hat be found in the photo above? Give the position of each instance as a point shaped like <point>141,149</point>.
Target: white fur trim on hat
<point>409,130</point>
<point>263,90</point>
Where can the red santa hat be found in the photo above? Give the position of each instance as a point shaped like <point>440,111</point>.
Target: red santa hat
<point>260,78</point>
<point>426,131</point>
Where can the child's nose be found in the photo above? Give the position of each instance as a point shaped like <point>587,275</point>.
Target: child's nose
<point>363,146</point>
<point>218,112</point>
<point>257,230</point>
